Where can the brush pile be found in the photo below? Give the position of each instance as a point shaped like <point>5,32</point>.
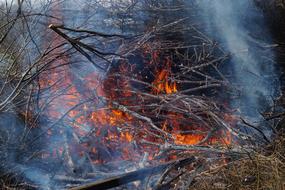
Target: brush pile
<point>158,113</point>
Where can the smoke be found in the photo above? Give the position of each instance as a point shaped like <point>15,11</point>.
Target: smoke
<point>240,28</point>
<point>64,136</point>
<point>237,24</point>
<point>16,152</point>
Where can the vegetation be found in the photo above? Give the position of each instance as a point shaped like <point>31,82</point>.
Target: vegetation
<point>134,84</point>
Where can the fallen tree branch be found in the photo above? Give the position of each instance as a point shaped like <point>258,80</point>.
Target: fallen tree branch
<point>133,176</point>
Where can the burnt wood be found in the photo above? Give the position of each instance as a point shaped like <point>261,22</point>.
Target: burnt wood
<point>133,176</point>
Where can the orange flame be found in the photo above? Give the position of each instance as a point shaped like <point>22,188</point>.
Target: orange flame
<point>162,83</point>
<point>188,139</point>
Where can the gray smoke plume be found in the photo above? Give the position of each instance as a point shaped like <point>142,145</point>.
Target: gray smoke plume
<point>240,28</point>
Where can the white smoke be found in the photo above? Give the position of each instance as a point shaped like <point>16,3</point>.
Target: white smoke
<point>240,28</point>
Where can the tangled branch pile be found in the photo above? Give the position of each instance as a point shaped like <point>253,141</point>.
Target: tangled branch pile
<point>164,95</point>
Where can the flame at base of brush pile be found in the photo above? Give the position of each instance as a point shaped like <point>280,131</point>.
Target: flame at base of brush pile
<point>113,125</point>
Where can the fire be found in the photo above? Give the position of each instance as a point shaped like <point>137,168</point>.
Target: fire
<point>109,125</point>
<point>188,139</point>
<point>110,118</point>
<point>127,136</point>
<point>199,135</point>
<point>103,121</point>
<point>162,83</point>
<point>194,139</point>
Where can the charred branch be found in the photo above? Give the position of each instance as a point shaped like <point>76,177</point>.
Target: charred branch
<point>133,176</point>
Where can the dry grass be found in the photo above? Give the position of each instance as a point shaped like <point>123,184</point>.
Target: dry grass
<point>263,170</point>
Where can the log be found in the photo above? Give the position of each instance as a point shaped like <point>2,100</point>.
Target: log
<point>133,176</point>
